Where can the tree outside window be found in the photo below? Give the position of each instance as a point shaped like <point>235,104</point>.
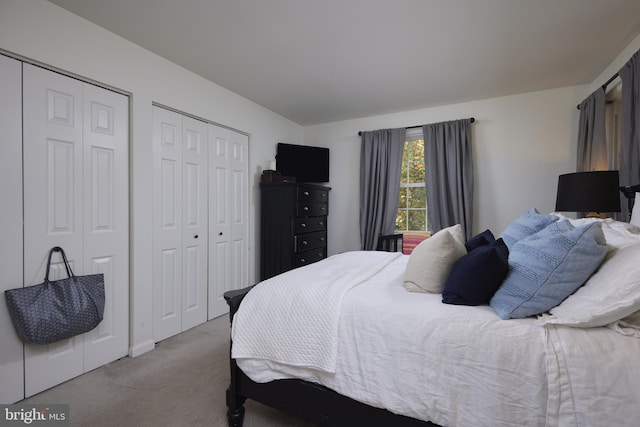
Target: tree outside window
<point>412,204</point>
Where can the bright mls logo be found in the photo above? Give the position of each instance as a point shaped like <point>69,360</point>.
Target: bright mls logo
<point>34,415</point>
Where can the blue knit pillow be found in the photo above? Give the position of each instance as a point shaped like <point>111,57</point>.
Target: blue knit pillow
<point>476,276</point>
<point>526,225</point>
<point>547,267</point>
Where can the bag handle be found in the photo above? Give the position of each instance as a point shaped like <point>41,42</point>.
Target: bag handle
<point>64,258</point>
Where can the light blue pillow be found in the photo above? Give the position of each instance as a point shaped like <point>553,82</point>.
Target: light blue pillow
<point>526,225</point>
<point>547,267</point>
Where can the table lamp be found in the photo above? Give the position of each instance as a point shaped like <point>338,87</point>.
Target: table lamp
<point>594,193</point>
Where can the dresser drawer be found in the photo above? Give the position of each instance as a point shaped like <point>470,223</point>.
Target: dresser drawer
<point>306,241</point>
<point>312,209</point>
<point>312,195</point>
<point>308,224</point>
<point>309,257</point>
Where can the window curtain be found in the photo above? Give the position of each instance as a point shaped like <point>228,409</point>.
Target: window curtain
<point>592,141</point>
<point>380,168</point>
<point>449,174</point>
<point>630,123</point>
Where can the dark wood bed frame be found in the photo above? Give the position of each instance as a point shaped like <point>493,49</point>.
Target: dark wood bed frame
<point>309,401</point>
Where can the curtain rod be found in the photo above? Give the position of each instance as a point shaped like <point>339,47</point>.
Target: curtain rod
<point>419,126</point>
<point>605,84</point>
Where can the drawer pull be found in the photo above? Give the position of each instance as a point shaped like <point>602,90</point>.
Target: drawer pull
<point>322,239</point>
<point>306,208</point>
<point>306,193</point>
<point>321,223</point>
<point>302,260</point>
<point>304,243</point>
<point>303,225</point>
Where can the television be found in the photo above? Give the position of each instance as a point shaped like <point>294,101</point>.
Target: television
<point>302,162</point>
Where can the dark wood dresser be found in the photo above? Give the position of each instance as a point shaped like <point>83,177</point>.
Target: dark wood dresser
<point>293,226</point>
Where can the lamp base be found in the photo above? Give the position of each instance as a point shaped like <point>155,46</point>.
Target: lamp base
<point>596,215</point>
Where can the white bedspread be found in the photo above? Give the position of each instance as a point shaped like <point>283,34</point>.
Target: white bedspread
<point>464,366</point>
<point>293,318</point>
<point>594,377</point>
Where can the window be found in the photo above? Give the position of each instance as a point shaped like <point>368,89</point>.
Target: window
<point>412,204</point>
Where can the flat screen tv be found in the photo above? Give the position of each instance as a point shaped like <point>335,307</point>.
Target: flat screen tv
<point>303,163</point>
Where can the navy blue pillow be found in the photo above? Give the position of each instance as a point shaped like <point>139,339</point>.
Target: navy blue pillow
<point>476,276</point>
<point>478,240</point>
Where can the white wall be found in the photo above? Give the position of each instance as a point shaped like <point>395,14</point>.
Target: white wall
<point>42,32</point>
<point>521,144</point>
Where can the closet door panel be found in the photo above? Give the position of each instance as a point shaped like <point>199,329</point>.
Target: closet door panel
<point>105,178</point>
<point>52,147</point>
<point>194,230</point>
<point>239,165</point>
<point>228,171</point>
<point>11,357</point>
<point>167,223</point>
<point>220,244</point>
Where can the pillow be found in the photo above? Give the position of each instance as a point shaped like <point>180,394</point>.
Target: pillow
<point>476,276</point>
<point>527,224</point>
<point>612,293</point>
<point>547,267</point>
<point>411,239</point>
<point>431,261</point>
<point>617,233</point>
<point>635,213</point>
<point>484,238</point>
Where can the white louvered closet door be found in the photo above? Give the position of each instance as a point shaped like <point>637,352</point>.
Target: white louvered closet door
<point>75,150</point>
<point>228,215</point>
<point>179,223</point>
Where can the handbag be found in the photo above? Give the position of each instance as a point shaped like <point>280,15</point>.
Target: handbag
<point>56,310</point>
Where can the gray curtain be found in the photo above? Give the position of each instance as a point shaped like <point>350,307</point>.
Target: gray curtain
<point>630,123</point>
<point>449,174</point>
<point>380,167</point>
<point>592,141</point>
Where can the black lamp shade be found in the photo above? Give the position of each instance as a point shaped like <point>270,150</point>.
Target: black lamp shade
<point>588,192</point>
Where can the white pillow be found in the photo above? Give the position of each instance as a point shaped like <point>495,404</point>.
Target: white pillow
<point>635,213</point>
<point>610,294</point>
<point>431,261</point>
<point>617,233</point>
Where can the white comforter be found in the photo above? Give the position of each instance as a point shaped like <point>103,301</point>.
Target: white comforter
<point>463,366</point>
<point>293,318</point>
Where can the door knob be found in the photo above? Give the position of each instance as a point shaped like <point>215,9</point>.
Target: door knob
<point>195,237</point>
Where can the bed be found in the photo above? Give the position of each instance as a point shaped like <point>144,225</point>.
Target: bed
<point>348,341</point>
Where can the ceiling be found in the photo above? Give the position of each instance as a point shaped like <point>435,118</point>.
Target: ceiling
<point>329,60</point>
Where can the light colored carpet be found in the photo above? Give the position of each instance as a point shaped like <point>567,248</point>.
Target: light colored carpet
<point>180,383</point>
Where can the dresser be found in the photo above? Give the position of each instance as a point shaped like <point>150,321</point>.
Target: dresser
<point>293,226</point>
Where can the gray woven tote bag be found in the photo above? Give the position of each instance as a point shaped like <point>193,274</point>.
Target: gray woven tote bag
<point>55,310</point>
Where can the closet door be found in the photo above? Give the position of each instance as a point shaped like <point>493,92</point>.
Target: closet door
<point>194,222</point>
<point>76,196</point>
<point>180,223</point>
<point>228,215</point>
<point>106,218</point>
<point>52,146</point>
<point>11,357</point>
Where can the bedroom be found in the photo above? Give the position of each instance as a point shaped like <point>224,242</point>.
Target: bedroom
<point>523,140</point>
